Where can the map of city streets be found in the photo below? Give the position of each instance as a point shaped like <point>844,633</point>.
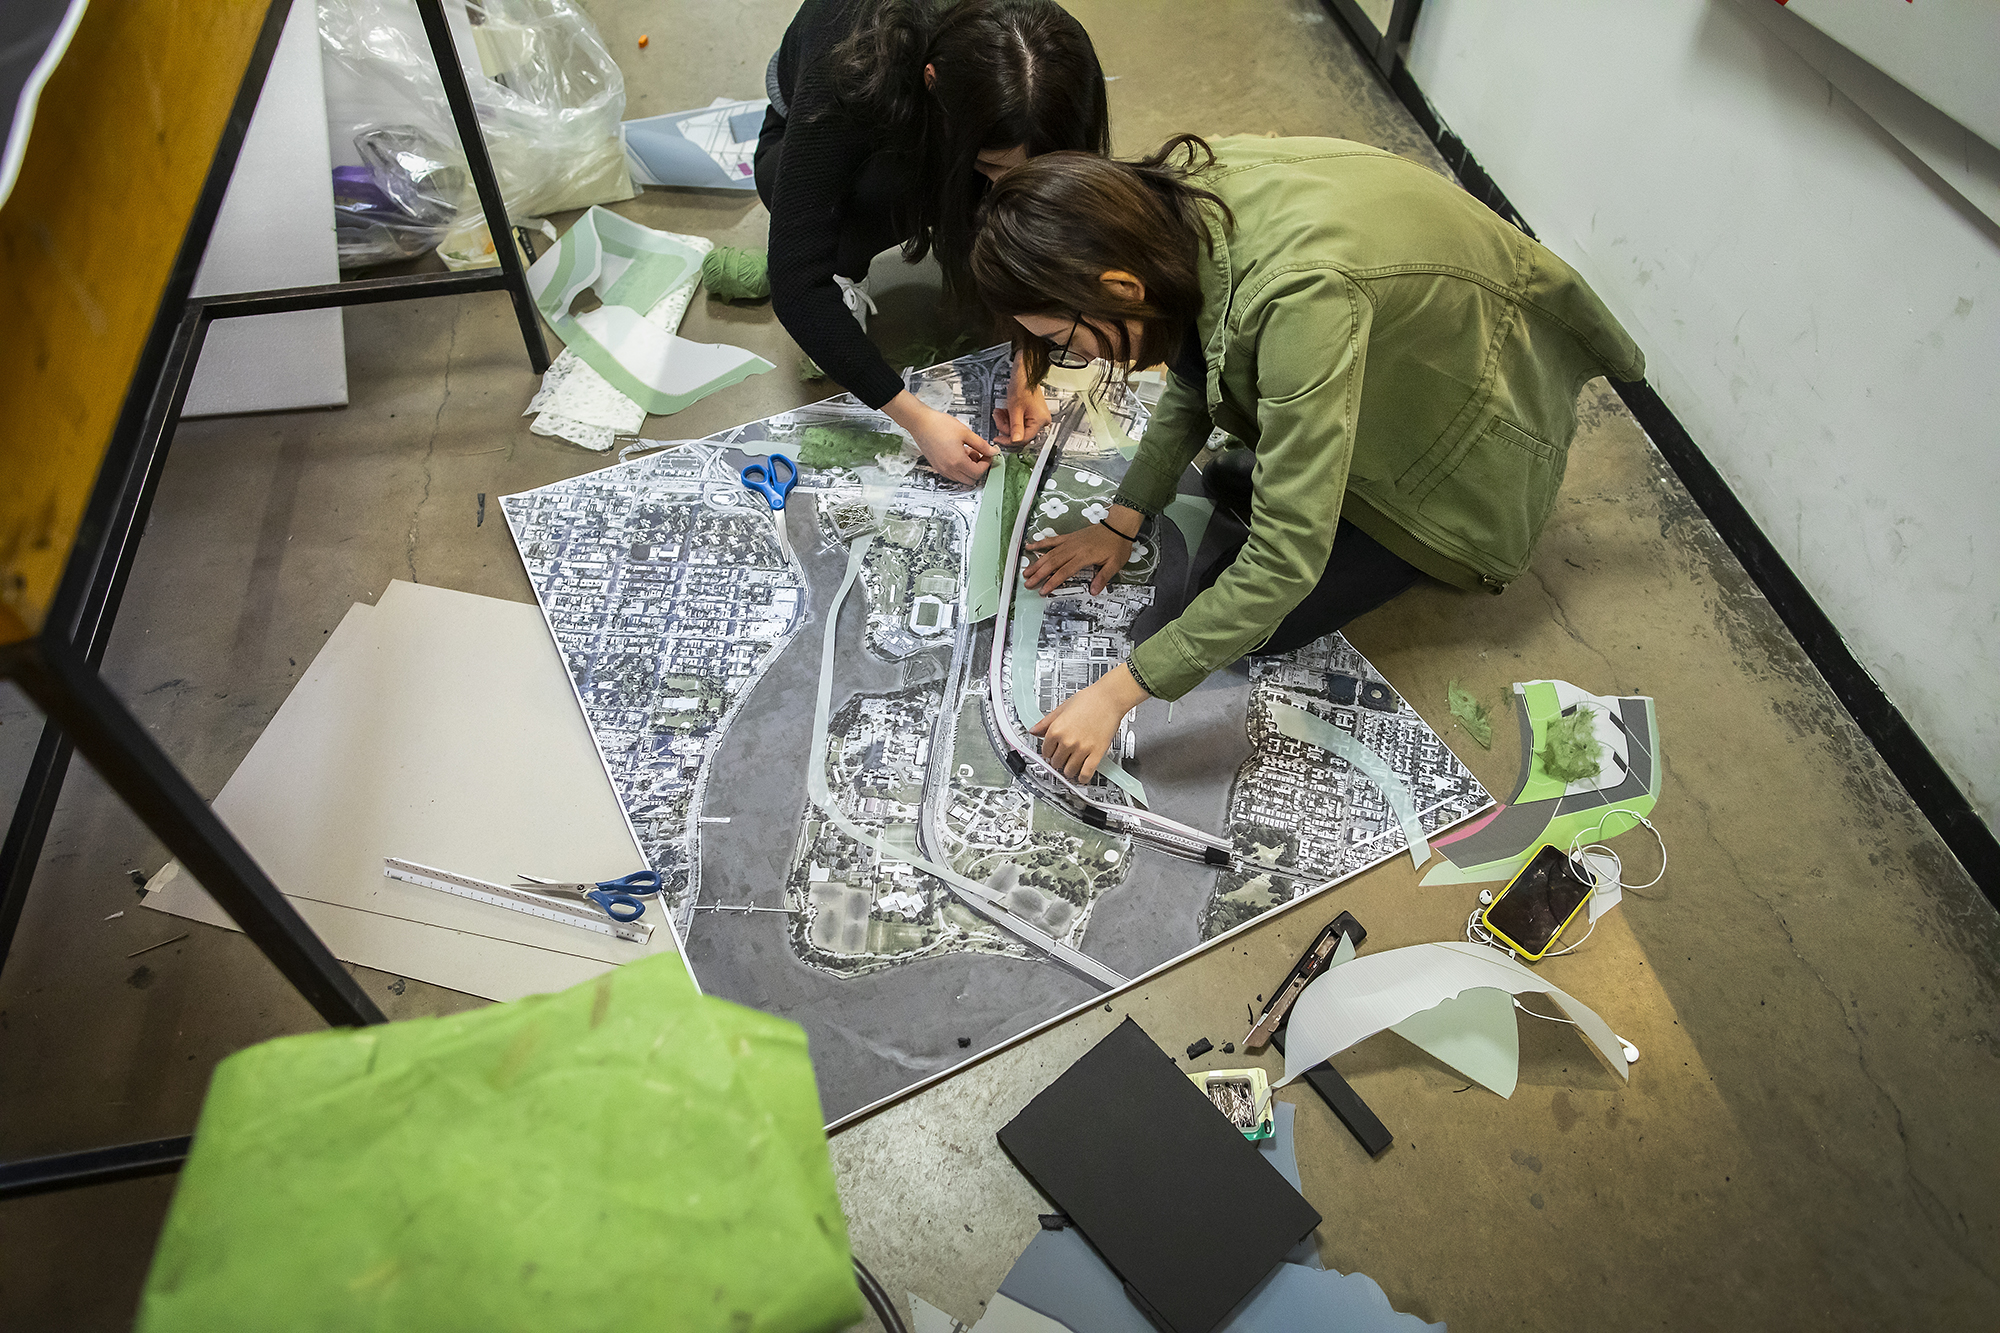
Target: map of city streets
<point>914,901</point>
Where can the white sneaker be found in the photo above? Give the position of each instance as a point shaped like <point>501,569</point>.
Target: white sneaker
<point>859,303</point>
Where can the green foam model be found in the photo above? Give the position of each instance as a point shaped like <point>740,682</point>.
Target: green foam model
<point>627,1154</point>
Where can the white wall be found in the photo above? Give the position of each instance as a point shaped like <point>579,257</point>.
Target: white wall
<point>1817,307</point>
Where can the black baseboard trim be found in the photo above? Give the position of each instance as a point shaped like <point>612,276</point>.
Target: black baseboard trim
<point>1935,794</point>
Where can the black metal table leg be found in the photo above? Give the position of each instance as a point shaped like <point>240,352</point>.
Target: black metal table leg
<point>466,118</point>
<point>92,1166</point>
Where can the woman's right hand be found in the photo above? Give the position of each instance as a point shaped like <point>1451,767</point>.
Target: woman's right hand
<point>1063,556</point>
<point>953,448</point>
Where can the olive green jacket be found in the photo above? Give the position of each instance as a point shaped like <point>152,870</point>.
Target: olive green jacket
<point>1394,353</point>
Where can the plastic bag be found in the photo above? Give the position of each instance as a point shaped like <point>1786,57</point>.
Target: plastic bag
<point>549,98</point>
<point>401,201</point>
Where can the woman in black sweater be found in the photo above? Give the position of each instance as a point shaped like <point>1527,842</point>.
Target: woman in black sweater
<point>888,118</point>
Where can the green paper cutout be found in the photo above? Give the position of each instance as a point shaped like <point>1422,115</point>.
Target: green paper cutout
<point>1190,513</point>
<point>847,447</point>
<point>632,268</point>
<point>988,547</point>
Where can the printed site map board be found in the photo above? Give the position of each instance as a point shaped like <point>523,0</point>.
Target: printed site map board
<point>696,652</point>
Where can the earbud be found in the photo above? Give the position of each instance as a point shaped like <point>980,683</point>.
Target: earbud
<point>1486,897</point>
<point>1631,1051</point>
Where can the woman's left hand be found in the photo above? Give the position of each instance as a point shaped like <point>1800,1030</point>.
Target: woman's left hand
<point>1076,735</point>
<point>1026,411</point>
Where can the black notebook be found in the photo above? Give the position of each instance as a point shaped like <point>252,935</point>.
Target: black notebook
<point>1184,1209</point>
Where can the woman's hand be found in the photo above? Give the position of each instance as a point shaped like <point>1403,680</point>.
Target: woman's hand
<point>1026,411</point>
<point>1095,545</point>
<point>1076,735</point>
<point>949,445</point>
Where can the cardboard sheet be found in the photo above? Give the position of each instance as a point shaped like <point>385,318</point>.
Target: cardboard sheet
<point>1356,1000</point>
<point>440,727</point>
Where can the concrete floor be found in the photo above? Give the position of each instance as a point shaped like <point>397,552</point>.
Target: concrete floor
<point>1807,1140</point>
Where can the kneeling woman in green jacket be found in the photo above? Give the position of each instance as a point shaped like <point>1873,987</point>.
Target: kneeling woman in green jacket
<point>1401,363</point>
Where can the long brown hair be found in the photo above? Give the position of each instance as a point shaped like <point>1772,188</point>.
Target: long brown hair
<point>1053,226</point>
<point>1010,73</point>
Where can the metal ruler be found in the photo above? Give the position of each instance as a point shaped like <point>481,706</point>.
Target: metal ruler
<point>515,900</point>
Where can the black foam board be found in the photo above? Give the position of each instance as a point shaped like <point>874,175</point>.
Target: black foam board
<point>1182,1207</point>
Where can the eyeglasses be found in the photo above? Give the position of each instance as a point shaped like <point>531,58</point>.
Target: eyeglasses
<point>1061,355</point>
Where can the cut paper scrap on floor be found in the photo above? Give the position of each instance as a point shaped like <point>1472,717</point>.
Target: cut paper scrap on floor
<point>924,892</point>
<point>577,404</point>
<point>1545,809</point>
<point>1359,997</point>
<point>632,269</point>
<point>712,147</point>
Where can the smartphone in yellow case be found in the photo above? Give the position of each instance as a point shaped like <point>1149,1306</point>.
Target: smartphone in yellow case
<point>1539,902</point>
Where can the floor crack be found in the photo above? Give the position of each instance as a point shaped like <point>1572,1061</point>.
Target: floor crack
<point>430,452</point>
<point>1928,1203</point>
<point>1562,621</point>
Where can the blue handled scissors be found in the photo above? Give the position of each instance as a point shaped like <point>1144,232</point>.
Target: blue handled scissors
<point>762,477</point>
<point>618,899</point>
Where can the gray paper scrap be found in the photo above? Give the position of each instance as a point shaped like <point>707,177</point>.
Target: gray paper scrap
<point>711,147</point>
<point>1300,1300</point>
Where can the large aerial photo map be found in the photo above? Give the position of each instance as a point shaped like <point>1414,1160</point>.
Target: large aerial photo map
<point>825,755</point>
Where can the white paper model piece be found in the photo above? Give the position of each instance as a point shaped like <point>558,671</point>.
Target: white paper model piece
<point>632,268</point>
<point>1356,1000</point>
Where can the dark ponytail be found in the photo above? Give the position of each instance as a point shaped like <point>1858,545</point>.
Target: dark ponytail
<point>1010,74</point>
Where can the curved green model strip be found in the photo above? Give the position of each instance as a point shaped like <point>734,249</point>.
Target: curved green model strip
<point>989,541</point>
<point>1303,726</point>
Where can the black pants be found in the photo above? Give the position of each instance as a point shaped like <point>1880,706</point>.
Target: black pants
<point>867,211</point>
<point>1361,575</point>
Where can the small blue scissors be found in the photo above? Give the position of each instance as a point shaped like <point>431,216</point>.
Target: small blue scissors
<point>616,898</point>
<point>763,479</point>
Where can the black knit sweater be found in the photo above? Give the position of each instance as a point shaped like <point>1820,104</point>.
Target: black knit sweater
<point>824,152</point>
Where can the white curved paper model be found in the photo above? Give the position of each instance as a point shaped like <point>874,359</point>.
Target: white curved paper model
<point>1356,1000</point>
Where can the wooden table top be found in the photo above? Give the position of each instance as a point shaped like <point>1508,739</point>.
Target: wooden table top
<point>123,140</point>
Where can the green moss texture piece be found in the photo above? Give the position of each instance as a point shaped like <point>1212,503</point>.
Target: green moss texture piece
<point>1571,752</point>
<point>1471,714</point>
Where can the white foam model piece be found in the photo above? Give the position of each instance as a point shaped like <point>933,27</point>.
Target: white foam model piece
<point>438,727</point>
<point>276,230</point>
<point>1355,1000</point>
